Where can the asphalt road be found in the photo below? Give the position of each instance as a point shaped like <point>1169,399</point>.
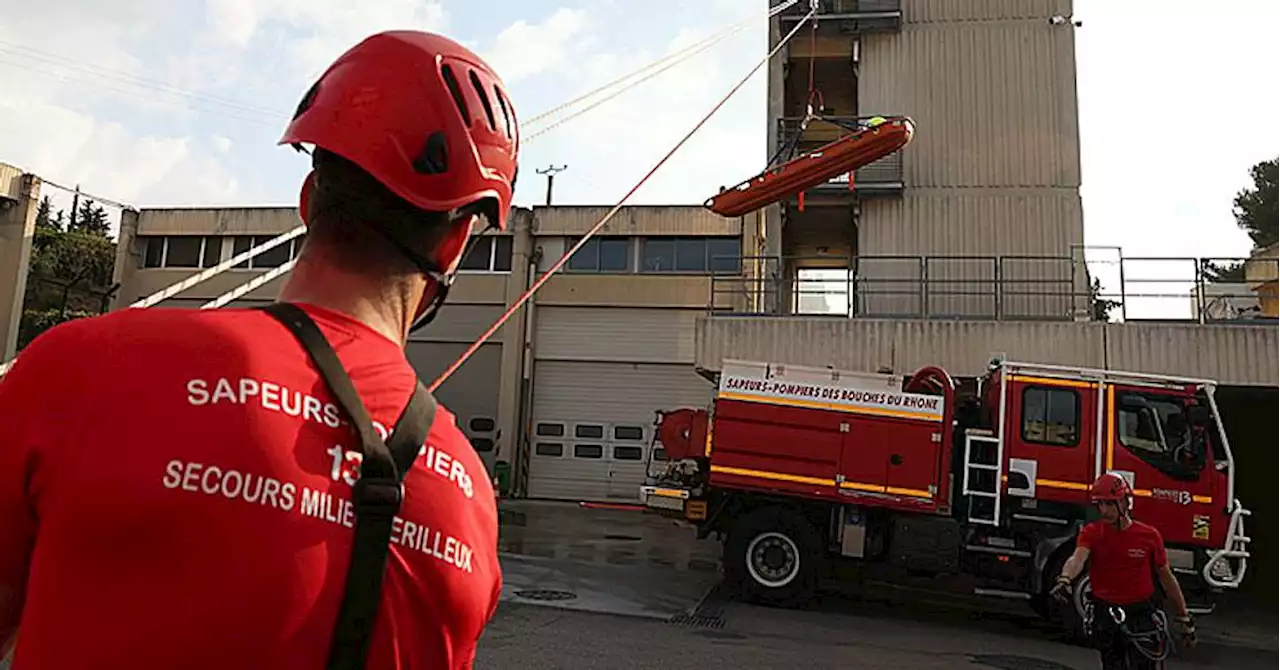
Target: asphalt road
<point>532,637</point>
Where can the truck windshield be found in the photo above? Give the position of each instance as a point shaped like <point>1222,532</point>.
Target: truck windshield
<point>1158,430</point>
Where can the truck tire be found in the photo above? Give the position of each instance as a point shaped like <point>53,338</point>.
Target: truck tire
<point>772,556</point>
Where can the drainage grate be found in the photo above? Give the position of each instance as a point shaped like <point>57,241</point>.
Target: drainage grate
<point>697,621</point>
<point>546,594</point>
<point>708,613</point>
<point>623,538</point>
<point>1011,662</point>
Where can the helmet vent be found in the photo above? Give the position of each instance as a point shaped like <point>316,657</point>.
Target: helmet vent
<point>506,114</point>
<point>434,157</point>
<point>484,99</point>
<point>456,91</point>
<point>307,100</point>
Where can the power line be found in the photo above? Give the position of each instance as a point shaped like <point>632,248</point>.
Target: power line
<point>154,84</point>
<point>87,196</point>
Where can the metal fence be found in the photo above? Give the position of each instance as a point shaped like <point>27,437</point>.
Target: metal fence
<point>1002,288</point>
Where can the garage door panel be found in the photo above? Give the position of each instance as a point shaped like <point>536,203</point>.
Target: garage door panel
<point>642,335</point>
<point>471,393</point>
<point>583,409</point>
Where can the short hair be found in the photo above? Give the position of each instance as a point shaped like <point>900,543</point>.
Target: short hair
<point>350,215</point>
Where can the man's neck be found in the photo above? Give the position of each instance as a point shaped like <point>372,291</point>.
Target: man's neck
<point>384,307</point>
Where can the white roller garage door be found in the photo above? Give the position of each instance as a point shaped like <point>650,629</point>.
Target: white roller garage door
<point>593,423</point>
<point>471,393</point>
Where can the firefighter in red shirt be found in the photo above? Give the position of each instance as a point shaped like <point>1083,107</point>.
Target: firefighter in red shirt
<point>179,488</point>
<point>1123,554</point>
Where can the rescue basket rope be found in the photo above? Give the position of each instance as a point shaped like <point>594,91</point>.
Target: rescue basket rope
<point>524,297</point>
<point>681,55</point>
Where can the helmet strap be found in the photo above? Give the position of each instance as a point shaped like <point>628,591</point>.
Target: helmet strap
<point>433,273</point>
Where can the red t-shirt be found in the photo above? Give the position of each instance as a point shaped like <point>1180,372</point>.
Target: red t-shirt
<point>1122,562</point>
<point>174,479</point>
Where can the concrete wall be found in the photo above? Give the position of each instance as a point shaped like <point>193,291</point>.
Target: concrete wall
<point>19,202</point>
<point>1231,354</point>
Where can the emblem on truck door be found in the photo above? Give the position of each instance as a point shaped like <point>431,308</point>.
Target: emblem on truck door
<point>1172,495</point>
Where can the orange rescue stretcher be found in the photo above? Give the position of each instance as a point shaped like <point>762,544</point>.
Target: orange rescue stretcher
<point>861,147</point>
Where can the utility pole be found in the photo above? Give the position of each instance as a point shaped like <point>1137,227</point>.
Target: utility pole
<point>551,178</point>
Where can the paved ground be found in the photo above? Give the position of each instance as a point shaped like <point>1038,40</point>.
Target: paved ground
<point>571,572</point>
<point>538,638</point>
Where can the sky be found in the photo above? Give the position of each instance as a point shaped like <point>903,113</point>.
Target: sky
<point>158,103</point>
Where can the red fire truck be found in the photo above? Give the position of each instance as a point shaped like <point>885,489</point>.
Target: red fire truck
<point>799,469</point>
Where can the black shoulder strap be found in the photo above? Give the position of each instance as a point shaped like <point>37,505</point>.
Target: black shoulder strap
<point>377,494</point>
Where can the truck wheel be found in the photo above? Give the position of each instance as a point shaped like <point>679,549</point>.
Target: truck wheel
<point>771,557</point>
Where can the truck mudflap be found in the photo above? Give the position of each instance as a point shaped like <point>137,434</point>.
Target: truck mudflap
<point>1226,567</point>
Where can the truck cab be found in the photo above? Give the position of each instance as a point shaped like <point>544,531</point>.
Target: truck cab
<point>1059,428</point>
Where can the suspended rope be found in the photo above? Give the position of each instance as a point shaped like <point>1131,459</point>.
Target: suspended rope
<point>687,52</point>
<point>699,48</point>
<point>250,285</point>
<point>239,258</point>
<point>524,297</point>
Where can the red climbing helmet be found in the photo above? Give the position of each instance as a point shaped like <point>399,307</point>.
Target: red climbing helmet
<point>1110,487</point>
<point>422,114</point>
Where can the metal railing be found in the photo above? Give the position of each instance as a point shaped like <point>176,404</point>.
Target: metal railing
<point>1005,287</point>
<point>864,15</point>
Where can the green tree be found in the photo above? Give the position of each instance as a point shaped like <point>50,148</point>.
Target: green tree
<point>1222,273</point>
<point>91,219</point>
<point>1101,307</point>
<point>44,213</point>
<point>70,271</point>
<point>1256,208</point>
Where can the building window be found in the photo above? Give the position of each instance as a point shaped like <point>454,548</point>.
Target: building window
<point>588,451</point>
<point>691,255</point>
<point>1156,428</point>
<point>271,258</point>
<point>489,253</point>
<point>588,431</point>
<point>631,433</point>
<point>181,251</point>
<point>627,453</point>
<point>601,254</point>
<point>548,449</point>
<point>549,430</point>
<point>1050,416</point>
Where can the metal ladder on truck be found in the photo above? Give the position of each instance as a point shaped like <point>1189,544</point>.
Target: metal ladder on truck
<point>983,465</point>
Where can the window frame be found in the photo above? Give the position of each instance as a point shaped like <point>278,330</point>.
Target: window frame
<point>1164,462</point>
<point>494,245</point>
<point>599,241</point>
<point>294,246</point>
<point>707,265</point>
<point>1048,390</point>
<point>203,262</point>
